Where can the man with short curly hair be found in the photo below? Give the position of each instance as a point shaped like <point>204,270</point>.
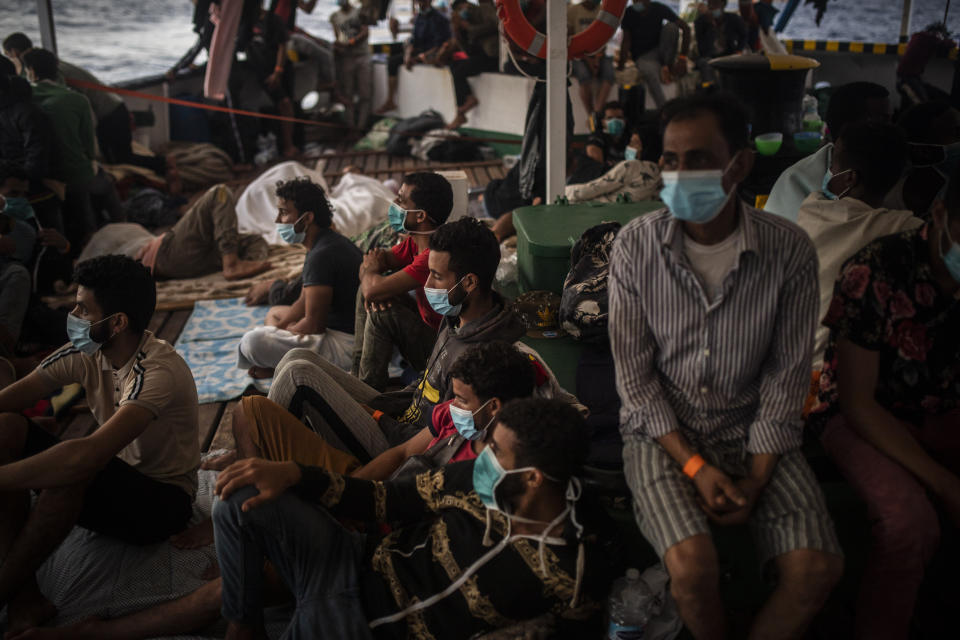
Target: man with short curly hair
<point>322,318</point>
<point>134,476</point>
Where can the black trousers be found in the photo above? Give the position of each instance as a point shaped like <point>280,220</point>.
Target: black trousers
<point>467,68</point>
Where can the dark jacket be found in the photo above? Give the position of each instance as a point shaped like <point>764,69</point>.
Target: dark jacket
<point>24,136</point>
<point>419,399</point>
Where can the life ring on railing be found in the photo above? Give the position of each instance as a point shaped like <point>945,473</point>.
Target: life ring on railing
<point>591,39</point>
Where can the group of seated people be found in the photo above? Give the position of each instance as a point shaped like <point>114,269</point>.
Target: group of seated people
<point>453,506</point>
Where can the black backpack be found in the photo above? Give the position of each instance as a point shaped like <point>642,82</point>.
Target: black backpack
<point>584,305</point>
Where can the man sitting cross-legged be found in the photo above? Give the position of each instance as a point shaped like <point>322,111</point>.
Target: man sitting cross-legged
<point>485,378</point>
<point>712,312</point>
<point>204,240</point>
<point>474,546</point>
<point>889,405</point>
<point>322,317</point>
<point>134,477</point>
<point>387,315</point>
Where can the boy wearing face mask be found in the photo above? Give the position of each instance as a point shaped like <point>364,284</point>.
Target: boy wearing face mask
<point>478,545</point>
<point>386,314</point>
<point>848,213</point>
<point>712,313</point>
<point>608,145</point>
<point>143,455</point>
<point>889,403</point>
<point>322,318</point>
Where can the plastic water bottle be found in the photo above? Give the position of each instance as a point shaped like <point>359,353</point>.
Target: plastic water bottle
<point>628,607</point>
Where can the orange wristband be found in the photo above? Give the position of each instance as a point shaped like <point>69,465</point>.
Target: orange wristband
<point>693,465</point>
<point>377,415</point>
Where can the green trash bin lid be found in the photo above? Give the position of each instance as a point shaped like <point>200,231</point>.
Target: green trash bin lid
<point>549,231</point>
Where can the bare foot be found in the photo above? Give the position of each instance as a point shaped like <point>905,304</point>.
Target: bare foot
<point>27,611</point>
<point>77,631</point>
<point>457,122</point>
<point>385,107</point>
<point>199,535</point>
<point>245,269</point>
<point>258,373</point>
<point>220,462</point>
<point>352,168</point>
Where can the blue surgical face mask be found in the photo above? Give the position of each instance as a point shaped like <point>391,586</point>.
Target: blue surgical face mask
<point>629,153</point>
<point>465,14</point>
<point>615,126</point>
<point>951,159</point>
<point>18,208</point>
<point>827,177</point>
<point>952,256</point>
<point>464,422</point>
<point>288,231</point>
<point>695,196</point>
<point>78,330</point>
<point>717,13</point>
<point>397,217</point>
<point>439,300</point>
<point>488,473</point>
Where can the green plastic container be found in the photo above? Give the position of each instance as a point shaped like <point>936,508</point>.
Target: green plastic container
<point>545,235</point>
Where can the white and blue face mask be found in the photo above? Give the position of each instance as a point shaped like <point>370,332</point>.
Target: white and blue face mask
<point>463,420</point>
<point>615,126</point>
<point>78,330</point>
<point>288,232</point>
<point>439,300</point>
<point>630,153</point>
<point>827,178</point>
<point>695,196</point>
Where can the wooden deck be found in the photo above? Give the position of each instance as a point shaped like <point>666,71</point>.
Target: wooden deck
<point>214,432</point>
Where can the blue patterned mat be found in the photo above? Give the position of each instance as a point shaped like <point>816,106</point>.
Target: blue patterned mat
<point>209,343</point>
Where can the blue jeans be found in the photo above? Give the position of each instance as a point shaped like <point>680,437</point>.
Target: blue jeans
<point>317,559</point>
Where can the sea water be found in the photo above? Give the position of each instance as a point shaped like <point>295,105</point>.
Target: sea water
<point>125,39</point>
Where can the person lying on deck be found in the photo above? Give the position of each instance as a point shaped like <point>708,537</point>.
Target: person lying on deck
<point>134,477</point>
<point>889,406</point>
<point>322,318</point>
<point>712,312</point>
<point>392,310</point>
<point>205,240</point>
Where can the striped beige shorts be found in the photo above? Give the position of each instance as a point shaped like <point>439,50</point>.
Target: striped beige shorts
<point>789,515</point>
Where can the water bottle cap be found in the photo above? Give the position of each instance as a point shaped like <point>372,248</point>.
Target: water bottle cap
<point>633,574</point>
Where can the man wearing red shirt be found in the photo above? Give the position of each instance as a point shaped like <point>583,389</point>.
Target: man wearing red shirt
<point>387,316</point>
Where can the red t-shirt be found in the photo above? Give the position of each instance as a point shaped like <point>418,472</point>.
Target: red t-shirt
<point>444,428</point>
<point>415,265</point>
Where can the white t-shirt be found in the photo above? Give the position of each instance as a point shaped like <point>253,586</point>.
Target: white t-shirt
<point>712,262</point>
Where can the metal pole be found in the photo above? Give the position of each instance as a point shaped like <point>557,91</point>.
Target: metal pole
<point>946,12</point>
<point>48,34</point>
<point>556,99</point>
<point>905,21</point>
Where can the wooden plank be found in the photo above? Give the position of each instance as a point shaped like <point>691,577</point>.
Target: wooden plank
<point>409,165</point>
<point>174,325</point>
<point>208,420</point>
<point>223,436</point>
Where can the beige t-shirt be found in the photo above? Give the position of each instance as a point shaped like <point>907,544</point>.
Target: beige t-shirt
<point>712,262</point>
<point>155,378</point>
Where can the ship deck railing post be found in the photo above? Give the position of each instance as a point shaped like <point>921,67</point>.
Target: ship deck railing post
<point>556,99</point>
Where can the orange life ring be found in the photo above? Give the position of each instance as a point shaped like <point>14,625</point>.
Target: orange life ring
<point>591,39</point>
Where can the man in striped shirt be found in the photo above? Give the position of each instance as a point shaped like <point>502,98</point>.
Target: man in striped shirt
<point>713,306</point>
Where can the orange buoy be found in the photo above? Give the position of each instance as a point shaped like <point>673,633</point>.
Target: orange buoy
<point>589,40</point>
